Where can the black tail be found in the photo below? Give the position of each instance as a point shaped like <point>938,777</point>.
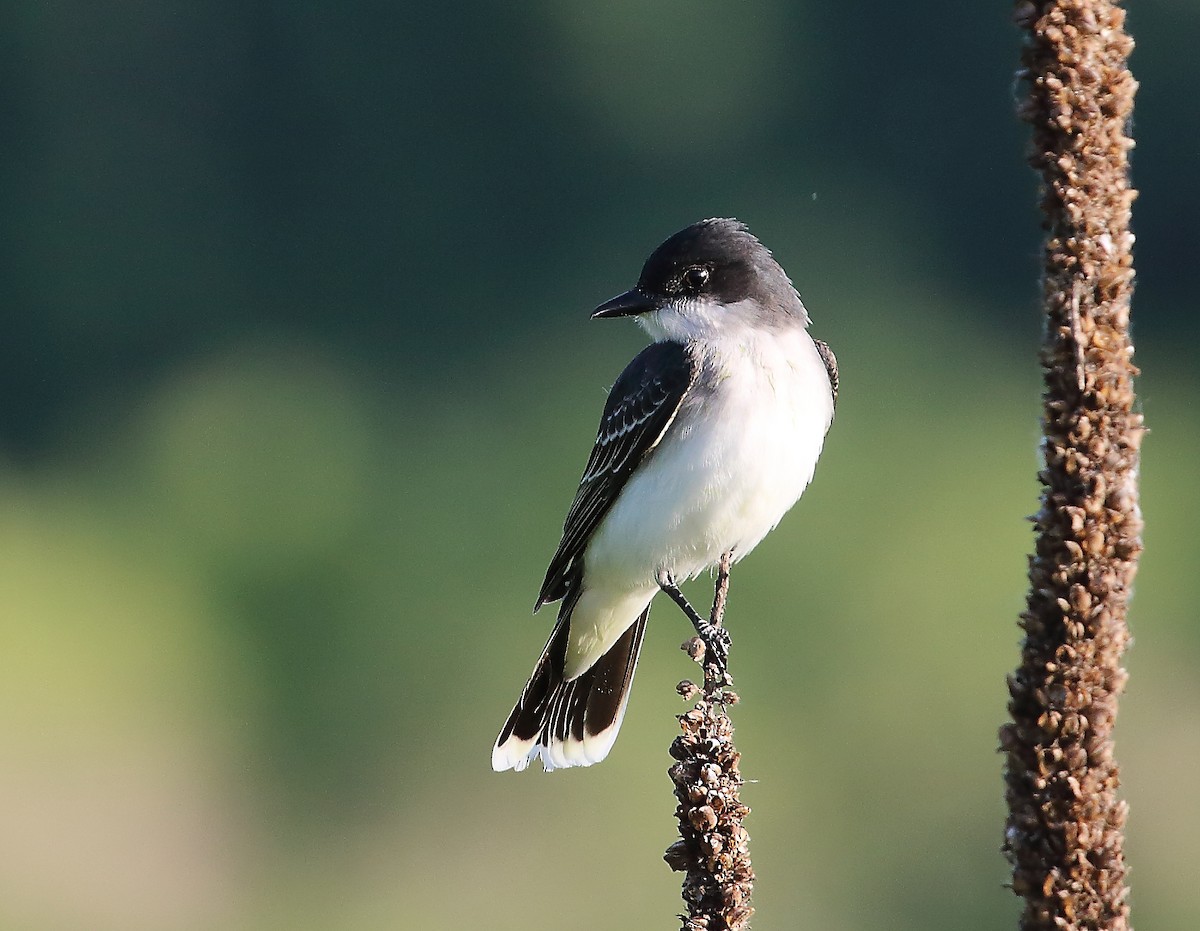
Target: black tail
<point>570,722</point>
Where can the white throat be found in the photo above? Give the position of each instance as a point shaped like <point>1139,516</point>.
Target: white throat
<point>688,320</point>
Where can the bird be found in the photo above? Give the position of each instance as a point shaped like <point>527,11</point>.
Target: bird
<point>707,439</point>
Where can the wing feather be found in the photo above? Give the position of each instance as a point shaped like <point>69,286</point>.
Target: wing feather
<point>640,408</point>
<point>831,368</point>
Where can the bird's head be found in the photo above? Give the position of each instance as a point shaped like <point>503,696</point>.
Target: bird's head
<point>711,278</point>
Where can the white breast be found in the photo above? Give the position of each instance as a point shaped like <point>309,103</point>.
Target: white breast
<point>736,458</point>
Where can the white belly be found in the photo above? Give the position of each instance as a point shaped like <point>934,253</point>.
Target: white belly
<point>722,477</point>
<point>725,474</point>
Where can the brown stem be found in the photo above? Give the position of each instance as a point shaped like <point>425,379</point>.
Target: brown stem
<point>713,847</point>
<point>721,591</point>
<point>1064,832</point>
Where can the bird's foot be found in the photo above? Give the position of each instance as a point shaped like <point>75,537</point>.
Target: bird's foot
<point>716,645</point>
<point>715,638</point>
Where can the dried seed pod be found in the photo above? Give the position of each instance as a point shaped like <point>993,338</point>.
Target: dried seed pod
<point>712,850</point>
<point>703,818</point>
<point>1063,835</point>
<point>678,856</point>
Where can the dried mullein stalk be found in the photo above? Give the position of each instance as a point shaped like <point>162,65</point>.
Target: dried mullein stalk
<point>1064,831</point>
<point>713,849</point>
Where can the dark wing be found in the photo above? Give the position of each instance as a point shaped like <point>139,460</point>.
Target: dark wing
<point>831,368</point>
<point>640,407</point>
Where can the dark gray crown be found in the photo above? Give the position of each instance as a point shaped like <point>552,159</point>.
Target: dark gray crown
<point>738,267</point>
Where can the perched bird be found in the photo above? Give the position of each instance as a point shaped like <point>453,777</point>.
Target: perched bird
<point>708,437</point>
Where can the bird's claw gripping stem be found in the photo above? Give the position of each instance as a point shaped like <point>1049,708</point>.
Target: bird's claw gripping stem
<point>716,639</point>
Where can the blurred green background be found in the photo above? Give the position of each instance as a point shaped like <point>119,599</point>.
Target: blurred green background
<point>299,379</point>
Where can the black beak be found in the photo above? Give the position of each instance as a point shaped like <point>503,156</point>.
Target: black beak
<point>628,304</point>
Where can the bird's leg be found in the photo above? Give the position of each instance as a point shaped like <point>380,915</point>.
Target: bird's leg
<point>715,637</point>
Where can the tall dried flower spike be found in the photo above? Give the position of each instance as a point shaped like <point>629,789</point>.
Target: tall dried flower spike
<point>1064,833</point>
<point>713,847</point>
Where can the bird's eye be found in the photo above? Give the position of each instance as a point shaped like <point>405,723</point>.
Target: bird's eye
<point>695,278</point>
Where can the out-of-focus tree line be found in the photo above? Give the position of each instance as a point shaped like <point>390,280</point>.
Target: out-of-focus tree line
<point>297,380</point>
